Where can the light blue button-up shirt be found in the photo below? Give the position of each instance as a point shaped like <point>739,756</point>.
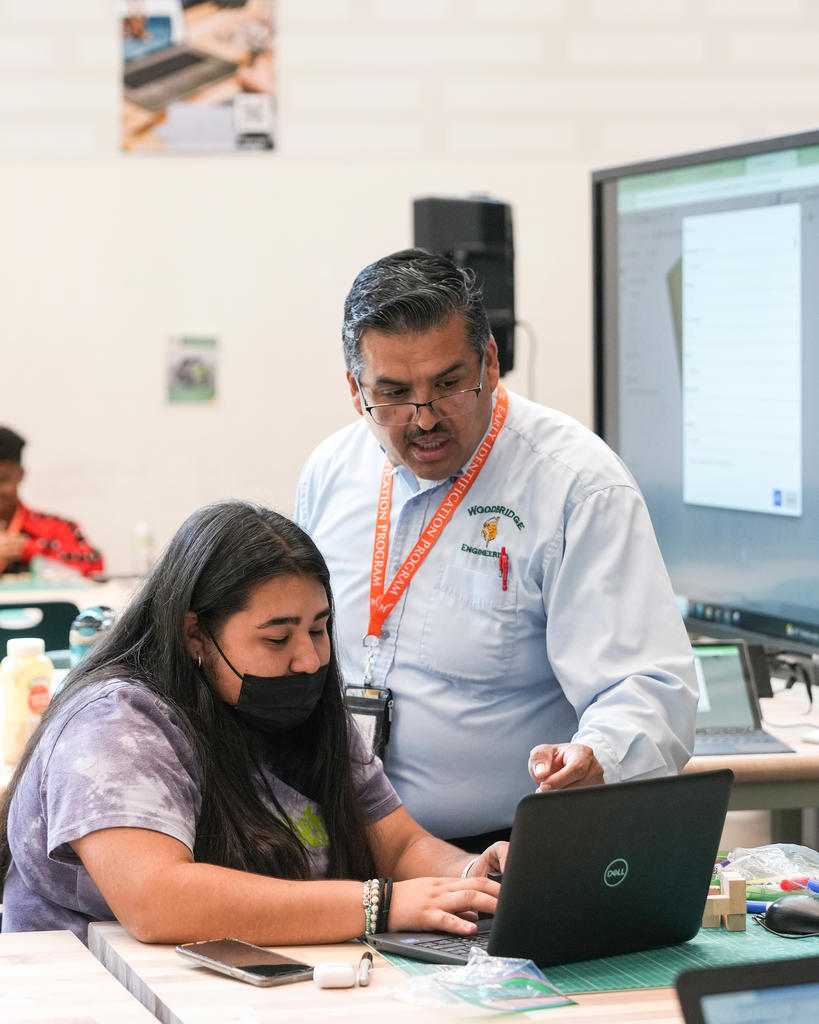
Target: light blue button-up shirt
<point>586,642</point>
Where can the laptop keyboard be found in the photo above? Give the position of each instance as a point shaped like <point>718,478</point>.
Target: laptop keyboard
<point>741,741</point>
<point>459,945</point>
<point>180,61</point>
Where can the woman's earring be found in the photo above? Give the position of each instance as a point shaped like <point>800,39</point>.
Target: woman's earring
<point>198,660</point>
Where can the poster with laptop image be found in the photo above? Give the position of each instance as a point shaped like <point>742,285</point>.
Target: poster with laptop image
<point>596,872</point>
<point>197,75</point>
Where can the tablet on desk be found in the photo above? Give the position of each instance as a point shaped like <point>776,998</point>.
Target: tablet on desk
<point>769,992</point>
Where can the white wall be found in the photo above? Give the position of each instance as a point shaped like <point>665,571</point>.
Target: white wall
<point>105,255</point>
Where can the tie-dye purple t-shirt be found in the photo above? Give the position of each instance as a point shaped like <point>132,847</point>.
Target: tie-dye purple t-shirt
<point>117,757</point>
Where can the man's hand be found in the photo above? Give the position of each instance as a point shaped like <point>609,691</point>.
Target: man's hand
<point>492,859</point>
<point>11,544</point>
<point>563,765</point>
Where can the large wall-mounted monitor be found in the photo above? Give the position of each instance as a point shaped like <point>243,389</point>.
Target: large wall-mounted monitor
<point>706,314</point>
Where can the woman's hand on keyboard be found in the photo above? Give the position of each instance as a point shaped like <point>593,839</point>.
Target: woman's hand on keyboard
<point>441,904</point>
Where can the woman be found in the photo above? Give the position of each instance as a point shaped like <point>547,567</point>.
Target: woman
<point>198,776</point>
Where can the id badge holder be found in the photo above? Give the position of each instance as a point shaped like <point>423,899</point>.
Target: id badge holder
<point>371,708</point>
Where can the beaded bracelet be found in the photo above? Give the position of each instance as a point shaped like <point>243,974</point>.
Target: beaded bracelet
<point>370,899</point>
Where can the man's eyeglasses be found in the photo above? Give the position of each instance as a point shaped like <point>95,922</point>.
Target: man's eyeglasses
<point>445,407</point>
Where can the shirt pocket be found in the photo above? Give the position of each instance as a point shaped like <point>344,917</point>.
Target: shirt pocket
<point>470,627</point>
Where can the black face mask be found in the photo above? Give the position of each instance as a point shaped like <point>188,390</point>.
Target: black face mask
<point>277,703</point>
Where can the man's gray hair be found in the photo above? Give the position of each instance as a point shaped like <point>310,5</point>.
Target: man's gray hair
<point>411,291</point>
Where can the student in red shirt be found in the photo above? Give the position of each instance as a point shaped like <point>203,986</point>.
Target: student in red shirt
<point>25,533</point>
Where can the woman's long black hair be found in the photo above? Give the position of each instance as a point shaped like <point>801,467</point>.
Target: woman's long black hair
<point>218,557</point>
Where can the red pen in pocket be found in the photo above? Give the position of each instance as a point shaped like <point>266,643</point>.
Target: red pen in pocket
<point>503,566</point>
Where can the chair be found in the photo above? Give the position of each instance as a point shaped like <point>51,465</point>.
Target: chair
<point>50,620</point>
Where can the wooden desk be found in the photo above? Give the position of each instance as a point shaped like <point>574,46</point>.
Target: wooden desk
<point>781,783</point>
<point>179,992</point>
<point>51,977</point>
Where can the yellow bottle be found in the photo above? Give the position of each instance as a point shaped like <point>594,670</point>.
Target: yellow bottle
<point>25,680</point>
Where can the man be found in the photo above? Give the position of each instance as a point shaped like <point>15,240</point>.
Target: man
<point>25,533</point>
<point>504,570</point>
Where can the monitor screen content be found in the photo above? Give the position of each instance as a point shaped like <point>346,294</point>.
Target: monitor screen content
<point>707,374</point>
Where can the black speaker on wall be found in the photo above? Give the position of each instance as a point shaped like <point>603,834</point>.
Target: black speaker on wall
<point>476,233</point>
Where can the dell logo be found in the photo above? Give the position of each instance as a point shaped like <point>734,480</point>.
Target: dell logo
<point>616,872</point>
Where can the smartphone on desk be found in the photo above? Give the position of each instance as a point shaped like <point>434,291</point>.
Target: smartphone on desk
<point>246,962</point>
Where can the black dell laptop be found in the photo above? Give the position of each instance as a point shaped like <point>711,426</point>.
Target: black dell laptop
<point>595,872</point>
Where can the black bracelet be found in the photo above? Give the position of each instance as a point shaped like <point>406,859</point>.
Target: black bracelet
<point>384,905</point>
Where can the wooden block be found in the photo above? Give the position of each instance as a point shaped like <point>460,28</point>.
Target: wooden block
<point>733,885</point>
<point>716,906</point>
<point>735,922</point>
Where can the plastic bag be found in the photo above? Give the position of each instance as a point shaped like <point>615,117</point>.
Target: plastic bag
<point>767,867</point>
<point>495,983</point>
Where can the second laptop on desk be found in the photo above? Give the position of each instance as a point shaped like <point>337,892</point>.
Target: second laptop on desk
<point>597,871</point>
<point>728,718</point>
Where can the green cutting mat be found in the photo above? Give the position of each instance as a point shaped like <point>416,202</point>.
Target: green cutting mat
<point>657,968</point>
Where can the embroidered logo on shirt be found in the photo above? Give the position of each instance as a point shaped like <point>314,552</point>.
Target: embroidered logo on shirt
<point>500,511</point>
<point>490,530</point>
<point>490,527</point>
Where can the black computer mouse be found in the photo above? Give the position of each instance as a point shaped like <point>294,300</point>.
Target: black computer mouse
<point>794,914</point>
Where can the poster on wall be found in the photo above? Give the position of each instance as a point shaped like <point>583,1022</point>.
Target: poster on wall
<point>192,369</point>
<point>198,76</point>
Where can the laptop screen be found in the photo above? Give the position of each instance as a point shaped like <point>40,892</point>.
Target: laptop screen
<point>152,34</point>
<point>766,992</point>
<point>724,698</point>
<point>796,1004</point>
<point>150,25</point>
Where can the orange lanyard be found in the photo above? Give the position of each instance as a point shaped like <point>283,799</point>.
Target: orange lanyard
<point>383,601</point>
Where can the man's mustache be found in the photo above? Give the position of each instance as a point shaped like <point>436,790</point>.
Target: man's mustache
<point>420,435</point>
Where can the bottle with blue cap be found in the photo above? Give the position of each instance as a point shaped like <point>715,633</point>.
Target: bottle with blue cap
<point>86,628</point>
